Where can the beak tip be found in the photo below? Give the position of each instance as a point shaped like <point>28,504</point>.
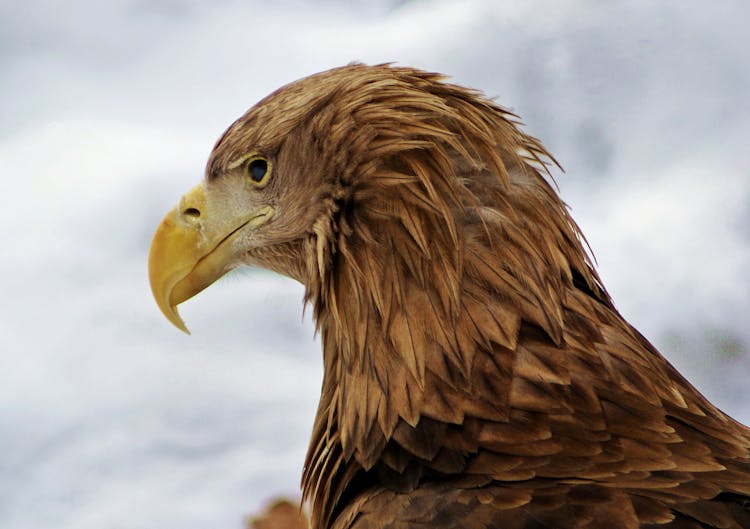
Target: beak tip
<point>174,317</point>
<point>171,313</point>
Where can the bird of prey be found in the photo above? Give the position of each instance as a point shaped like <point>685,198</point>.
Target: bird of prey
<point>476,372</point>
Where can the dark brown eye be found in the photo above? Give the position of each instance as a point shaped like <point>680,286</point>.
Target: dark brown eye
<point>258,169</point>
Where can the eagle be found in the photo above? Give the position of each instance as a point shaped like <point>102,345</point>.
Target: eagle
<point>476,371</point>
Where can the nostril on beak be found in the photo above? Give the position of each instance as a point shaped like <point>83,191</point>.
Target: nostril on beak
<point>191,213</point>
<point>191,206</point>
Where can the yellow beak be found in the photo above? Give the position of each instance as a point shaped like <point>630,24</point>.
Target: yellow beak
<point>193,248</point>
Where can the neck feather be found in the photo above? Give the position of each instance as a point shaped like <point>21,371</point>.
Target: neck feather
<point>407,296</point>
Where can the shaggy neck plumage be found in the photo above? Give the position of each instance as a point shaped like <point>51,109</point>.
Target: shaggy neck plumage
<point>403,310</point>
<point>439,241</point>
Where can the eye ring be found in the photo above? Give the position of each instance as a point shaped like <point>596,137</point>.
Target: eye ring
<point>258,170</point>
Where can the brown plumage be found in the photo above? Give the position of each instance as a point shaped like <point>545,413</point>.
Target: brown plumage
<point>476,372</point>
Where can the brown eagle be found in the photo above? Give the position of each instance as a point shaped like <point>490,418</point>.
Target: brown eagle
<point>476,372</point>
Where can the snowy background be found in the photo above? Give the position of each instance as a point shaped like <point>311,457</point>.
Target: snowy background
<point>110,417</point>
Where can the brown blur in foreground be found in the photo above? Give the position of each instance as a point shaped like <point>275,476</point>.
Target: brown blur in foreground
<point>280,514</point>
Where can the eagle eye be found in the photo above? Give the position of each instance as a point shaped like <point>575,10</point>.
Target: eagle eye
<point>258,170</point>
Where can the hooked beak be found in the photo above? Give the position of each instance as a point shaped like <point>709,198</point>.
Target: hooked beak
<point>192,248</point>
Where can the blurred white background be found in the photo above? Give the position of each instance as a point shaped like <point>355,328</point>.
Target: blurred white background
<point>109,417</point>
